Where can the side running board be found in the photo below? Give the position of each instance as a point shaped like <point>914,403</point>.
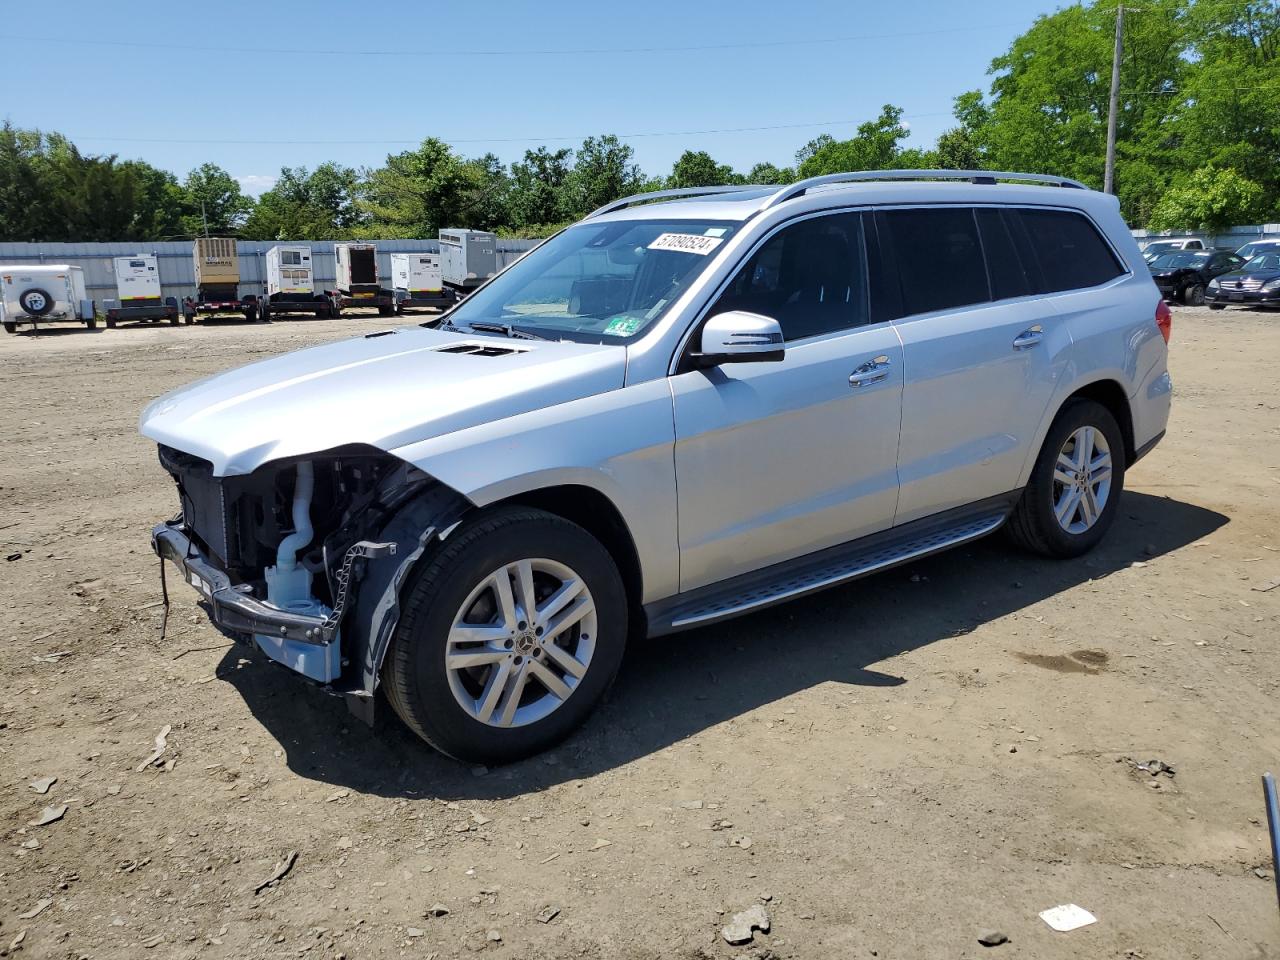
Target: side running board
<point>828,568</point>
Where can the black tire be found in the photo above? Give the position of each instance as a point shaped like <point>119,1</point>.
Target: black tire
<point>111,323</point>
<point>1033,525</point>
<point>173,319</point>
<point>44,302</point>
<point>264,312</point>
<point>415,680</point>
<point>1193,295</point>
<point>386,311</point>
<point>10,327</point>
<point>1217,306</point>
<point>91,324</point>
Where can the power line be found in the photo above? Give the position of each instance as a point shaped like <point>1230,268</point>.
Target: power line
<point>531,139</point>
<point>581,51</point>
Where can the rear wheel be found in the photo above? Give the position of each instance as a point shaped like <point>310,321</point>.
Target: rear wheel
<point>510,636</point>
<point>1071,499</point>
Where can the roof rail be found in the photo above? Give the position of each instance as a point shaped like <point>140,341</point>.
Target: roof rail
<point>800,187</point>
<point>660,194</point>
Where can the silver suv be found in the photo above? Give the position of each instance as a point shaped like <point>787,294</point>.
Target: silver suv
<point>691,405</point>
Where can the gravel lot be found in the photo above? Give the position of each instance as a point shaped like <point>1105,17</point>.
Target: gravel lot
<point>889,769</point>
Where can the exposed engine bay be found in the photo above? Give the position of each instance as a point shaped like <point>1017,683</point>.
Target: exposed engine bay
<point>284,553</point>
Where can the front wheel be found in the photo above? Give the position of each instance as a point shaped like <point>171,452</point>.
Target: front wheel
<point>511,634</point>
<point>1074,490</point>
<point>1193,296</point>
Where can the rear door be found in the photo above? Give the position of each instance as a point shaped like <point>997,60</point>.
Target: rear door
<point>982,354</point>
<point>776,460</point>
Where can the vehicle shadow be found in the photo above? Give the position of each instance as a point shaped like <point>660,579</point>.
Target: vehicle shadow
<point>672,687</point>
<point>32,333</point>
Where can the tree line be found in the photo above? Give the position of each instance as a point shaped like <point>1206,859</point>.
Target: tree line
<point>1198,146</point>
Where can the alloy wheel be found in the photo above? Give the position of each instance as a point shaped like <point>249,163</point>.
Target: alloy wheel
<point>521,642</point>
<point>1082,480</point>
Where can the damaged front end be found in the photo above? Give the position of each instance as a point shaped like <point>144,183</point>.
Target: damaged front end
<point>306,556</point>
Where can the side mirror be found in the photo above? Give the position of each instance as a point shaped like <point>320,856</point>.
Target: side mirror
<point>739,337</point>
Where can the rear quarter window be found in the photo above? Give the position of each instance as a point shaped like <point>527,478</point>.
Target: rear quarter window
<point>1071,251</point>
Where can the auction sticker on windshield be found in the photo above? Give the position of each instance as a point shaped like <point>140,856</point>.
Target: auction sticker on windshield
<point>686,243</point>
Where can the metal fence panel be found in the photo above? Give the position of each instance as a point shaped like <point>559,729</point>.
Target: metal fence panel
<point>177,268</point>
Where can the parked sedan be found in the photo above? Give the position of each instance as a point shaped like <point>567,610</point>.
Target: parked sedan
<point>1256,283</point>
<point>1184,276</point>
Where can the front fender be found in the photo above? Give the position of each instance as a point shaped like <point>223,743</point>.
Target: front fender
<point>620,443</point>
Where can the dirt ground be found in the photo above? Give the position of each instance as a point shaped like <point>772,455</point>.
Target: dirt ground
<point>889,769</point>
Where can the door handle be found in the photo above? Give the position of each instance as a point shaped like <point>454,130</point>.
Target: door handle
<point>873,371</point>
<point>1028,338</point>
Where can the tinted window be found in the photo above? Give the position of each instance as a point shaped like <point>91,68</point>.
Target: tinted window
<point>1071,252</point>
<point>939,258</point>
<point>810,277</point>
<point>1011,276</point>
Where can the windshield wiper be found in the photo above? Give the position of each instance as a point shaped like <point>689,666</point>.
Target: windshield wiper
<point>506,329</point>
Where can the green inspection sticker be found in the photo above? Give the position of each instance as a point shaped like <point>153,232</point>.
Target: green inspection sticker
<point>623,326</point>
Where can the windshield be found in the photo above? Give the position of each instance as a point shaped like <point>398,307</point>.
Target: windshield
<point>597,283</point>
<point>1264,261</point>
<point>1153,250</point>
<point>1172,260</point>
<point>1257,247</point>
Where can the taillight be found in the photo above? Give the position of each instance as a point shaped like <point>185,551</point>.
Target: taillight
<point>1164,320</point>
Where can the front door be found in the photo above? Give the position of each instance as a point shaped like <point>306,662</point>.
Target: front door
<point>776,460</point>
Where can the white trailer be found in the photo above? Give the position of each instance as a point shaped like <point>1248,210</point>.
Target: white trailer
<point>468,258</point>
<point>138,292</point>
<point>357,280</point>
<point>291,284</point>
<point>418,281</point>
<point>42,294</point>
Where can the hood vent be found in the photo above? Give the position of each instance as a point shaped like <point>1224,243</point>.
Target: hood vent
<point>480,349</point>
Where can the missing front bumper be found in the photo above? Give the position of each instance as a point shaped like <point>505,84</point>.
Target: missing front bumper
<point>232,608</point>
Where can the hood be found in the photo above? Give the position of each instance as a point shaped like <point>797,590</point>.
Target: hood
<point>1172,271</point>
<point>385,389</point>
<point>1266,276</point>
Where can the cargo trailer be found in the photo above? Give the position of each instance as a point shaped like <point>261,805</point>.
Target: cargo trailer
<point>467,258</point>
<point>290,286</point>
<point>217,264</point>
<point>418,282</point>
<point>357,281</point>
<point>138,292</point>
<point>43,294</point>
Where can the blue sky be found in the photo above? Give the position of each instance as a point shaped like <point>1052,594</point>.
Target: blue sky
<point>200,84</point>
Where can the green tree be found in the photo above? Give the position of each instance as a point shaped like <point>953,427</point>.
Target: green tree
<point>876,145</point>
<point>1229,103</point>
<point>696,168</point>
<point>213,202</point>
<point>303,205</point>
<point>603,170</point>
<point>416,192</point>
<point>539,185</point>
<point>767,173</point>
<point>23,216</point>
<point>1050,95</point>
<point>1210,199</point>
<point>487,199</point>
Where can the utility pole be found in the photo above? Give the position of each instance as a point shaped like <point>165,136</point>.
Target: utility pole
<point>1109,179</point>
